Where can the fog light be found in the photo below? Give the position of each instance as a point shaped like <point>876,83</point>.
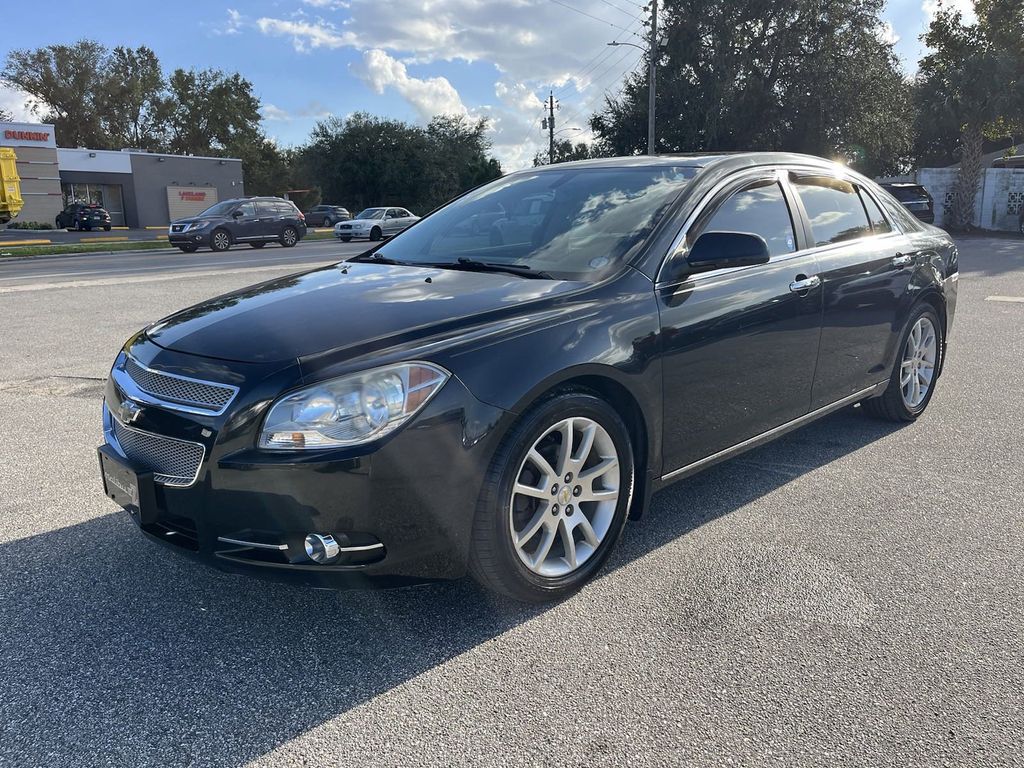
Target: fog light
<point>321,548</point>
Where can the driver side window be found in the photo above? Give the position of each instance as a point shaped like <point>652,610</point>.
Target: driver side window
<point>759,208</point>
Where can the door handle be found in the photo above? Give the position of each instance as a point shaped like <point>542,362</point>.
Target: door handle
<point>803,283</point>
<point>901,260</point>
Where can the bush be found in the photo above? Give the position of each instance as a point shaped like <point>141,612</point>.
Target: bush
<point>29,225</point>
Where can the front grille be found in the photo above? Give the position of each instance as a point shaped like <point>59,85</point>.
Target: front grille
<point>178,389</point>
<point>344,226</point>
<point>172,462</point>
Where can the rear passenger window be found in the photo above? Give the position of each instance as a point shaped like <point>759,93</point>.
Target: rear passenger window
<point>833,208</point>
<point>879,224</point>
<point>761,210</point>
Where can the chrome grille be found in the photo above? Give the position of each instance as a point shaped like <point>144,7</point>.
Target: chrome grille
<point>172,462</point>
<point>179,389</point>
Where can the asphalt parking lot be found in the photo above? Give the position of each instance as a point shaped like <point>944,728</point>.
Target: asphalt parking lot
<point>852,594</point>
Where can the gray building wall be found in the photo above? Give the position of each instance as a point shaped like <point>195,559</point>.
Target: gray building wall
<point>40,184</point>
<point>152,174</point>
<point>123,179</point>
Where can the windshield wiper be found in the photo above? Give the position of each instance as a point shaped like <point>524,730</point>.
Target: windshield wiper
<point>472,265</point>
<point>378,258</point>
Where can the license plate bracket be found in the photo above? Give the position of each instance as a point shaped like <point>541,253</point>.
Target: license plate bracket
<point>133,490</point>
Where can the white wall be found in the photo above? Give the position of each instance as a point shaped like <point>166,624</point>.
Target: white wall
<point>94,160</point>
<point>997,204</point>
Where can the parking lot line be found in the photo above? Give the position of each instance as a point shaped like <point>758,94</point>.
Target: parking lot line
<point>1010,299</point>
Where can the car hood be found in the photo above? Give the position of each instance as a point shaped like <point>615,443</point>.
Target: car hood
<point>365,307</point>
<point>194,219</point>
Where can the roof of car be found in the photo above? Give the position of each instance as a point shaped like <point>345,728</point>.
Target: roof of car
<point>693,160</point>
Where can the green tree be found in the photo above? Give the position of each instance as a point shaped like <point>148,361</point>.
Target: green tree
<point>972,82</point>
<point>208,110</point>
<point>63,78</point>
<point>566,151</point>
<point>363,161</point>
<point>810,76</point>
<point>5,116</point>
<point>129,95</point>
<point>265,166</point>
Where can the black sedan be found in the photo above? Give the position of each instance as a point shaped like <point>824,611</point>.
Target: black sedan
<point>444,404</point>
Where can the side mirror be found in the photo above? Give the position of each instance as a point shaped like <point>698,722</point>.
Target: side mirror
<point>236,214</point>
<point>718,250</point>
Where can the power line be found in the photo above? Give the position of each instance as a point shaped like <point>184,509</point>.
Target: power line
<point>592,16</point>
<point>600,58</point>
<point>623,10</point>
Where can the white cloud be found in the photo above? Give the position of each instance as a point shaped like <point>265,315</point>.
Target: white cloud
<point>305,35</point>
<point>966,8</point>
<point>331,5</point>
<point>271,112</point>
<point>19,104</point>
<point>533,46</point>
<point>274,113</point>
<point>887,32</point>
<point>429,96</point>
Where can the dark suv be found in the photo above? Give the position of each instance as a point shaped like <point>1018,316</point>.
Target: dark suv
<point>83,216</point>
<point>326,215</point>
<point>914,198</point>
<point>253,220</point>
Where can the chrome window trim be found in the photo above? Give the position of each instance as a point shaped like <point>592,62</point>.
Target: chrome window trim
<point>108,434</point>
<point>133,390</point>
<point>752,174</point>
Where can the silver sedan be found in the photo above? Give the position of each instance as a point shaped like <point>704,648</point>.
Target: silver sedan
<point>375,224</point>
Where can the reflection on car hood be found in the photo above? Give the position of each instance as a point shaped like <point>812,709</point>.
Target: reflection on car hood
<point>361,306</point>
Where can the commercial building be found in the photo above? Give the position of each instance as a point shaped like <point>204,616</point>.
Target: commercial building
<point>139,189</point>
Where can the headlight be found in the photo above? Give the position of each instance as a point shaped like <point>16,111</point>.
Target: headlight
<point>352,409</point>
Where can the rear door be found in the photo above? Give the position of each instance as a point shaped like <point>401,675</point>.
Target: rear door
<point>270,224</point>
<point>865,270</point>
<point>740,344</point>
<point>244,223</point>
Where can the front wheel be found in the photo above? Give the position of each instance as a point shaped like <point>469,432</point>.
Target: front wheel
<point>220,240</point>
<point>289,237</point>
<point>376,234</point>
<point>913,378</point>
<point>554,500</point>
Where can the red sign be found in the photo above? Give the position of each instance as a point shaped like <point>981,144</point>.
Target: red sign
<point>192,197</point>
<point>28,135</point>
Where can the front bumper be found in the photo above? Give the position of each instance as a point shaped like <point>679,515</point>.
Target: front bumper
<point>197,237</point>
<point>401,510</point>
<point>355,234</point>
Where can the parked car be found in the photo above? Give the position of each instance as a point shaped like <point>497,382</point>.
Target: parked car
<point>436,405</point>
<point>253,220</point>
<point>326,215</point>
<point>375,224</point>
<point>83,217</point>
<point>914,198</point>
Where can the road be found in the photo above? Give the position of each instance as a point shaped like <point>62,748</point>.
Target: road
<point>852,594</point>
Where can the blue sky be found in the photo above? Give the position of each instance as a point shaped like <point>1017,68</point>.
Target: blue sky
<point>403,58</point>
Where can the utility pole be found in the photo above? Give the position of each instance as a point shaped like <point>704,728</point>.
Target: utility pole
<point>652,54</point>
<point>551,128</point>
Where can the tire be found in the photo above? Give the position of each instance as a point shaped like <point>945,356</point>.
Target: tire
<point>220,240</point>
<point>894,404</point>
<point>106,229</point>
<point>496,561</point>
<point>57,223</point>
<point>346,239</point>
<point>289,237</point>
<point>187,248</point>
<point>327,222</point>
<point>256,245</point>
<point>376,234</point>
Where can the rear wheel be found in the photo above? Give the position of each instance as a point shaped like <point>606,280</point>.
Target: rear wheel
<point>220,240</point>
<point>256,245</point>
<point>289,237</point>
<point>554,500</point>
<point>328,222</point>
<point>913,378</point>
<point>376,234</point>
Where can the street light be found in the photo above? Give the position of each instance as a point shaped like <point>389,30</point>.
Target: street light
<point>650,50</point>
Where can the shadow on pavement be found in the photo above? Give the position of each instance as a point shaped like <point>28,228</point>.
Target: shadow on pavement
<point>117,652</point>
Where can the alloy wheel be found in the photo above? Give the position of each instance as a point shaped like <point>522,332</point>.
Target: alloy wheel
<point>221,241</point>
<point>918,367</point>
<point>565,496</point>
<point>289,237</point>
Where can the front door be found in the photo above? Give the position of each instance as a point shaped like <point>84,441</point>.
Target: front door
<point>865,268</point>
<point>740,344</point>
<point>245,223</point>
<point>392,221</point>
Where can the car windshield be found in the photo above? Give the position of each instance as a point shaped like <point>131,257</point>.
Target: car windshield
<point>908,194</point>
<point>220,209</point>
<point>371,213</point>
<point>573,224</point>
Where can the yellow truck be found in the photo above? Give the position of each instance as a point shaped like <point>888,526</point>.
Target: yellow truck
<point>10,186</point>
